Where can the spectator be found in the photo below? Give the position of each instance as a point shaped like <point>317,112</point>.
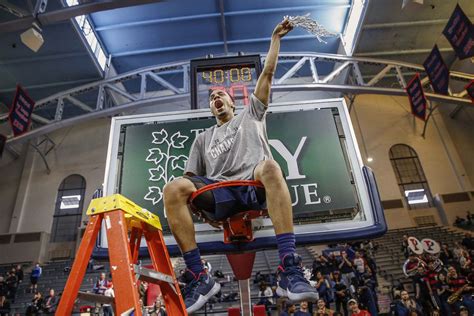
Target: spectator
<point>457,250</point>
<point>459,221</point>
<point>142,292</point>
<point>321,308</point>
<point>288,309</point>
<point>346,268</point>
<point>465,262</point>
<point>34,277</point>
<point>109,292</point>
<point>12,283</point>
<point>354,308</point>
<point>460,284</point>
<point>323,287</point>
<point>50,303</point>
<point>446,255</point>
<point>406,305</point>
<point>422,290</point>
<point>36,304</point>
<point>303,311</point>
<point>321,263</point>
<point>367,298</point>
<point>443,292</point>
<point>467,241</point>
<point>341,293</point>
<point>100,285</point>
<point>265,295</point>
<point>405,249</point>
<point>359,263</point>
<point>4,306</point>
<point>3,287</point>
<point>469,218</point>
<point>19,274</point>
<point>157,309</point>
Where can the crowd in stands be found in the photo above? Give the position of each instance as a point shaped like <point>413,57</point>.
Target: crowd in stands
<point>9,282</point>
<point>345,277</point>
<point>464,222</point>
<point>442,282</point>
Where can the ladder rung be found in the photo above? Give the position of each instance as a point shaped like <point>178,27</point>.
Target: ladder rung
<point>95,298</point>
<point>152,276</point>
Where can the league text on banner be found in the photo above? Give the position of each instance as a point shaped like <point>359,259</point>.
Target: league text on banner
<point>417,97</point>
<point>460,33</point>
<point>437,71</point>
<point>20,112</point>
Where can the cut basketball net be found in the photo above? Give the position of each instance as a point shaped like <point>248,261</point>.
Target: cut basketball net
<point>304,21</point>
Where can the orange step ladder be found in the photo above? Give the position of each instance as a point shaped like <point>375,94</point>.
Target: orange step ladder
<point>120,216</point>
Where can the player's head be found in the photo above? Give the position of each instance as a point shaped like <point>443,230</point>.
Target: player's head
<point>221,103</point>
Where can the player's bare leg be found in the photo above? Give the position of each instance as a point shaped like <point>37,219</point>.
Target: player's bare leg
<point>200,286</point>
<point>277,195</point>
<point>291,281</point>
<point>175,195</point>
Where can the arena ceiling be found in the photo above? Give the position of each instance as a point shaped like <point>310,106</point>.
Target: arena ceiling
<point>151,32</point>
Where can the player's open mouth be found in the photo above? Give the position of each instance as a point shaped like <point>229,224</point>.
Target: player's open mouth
<point>218,104</point>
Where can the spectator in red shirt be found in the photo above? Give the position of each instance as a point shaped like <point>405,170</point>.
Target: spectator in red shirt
<point>356,311</point>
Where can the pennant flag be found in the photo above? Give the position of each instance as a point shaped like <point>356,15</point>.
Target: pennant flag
<point>460,33</point>
<point>3,140</point>
<point>417,97</point>
<point>470,90</point>
<point>20,113</point>
<point>437,71</point>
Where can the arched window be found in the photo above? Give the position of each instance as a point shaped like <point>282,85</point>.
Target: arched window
<point>410,176</point>
<point>68,211</point>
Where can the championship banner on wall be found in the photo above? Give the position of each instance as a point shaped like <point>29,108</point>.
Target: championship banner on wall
<point>3,140</point>
<point>437,71</point>
<point>470,90</point>
<point>417,97</point>
<point>306,144</point>
<point>20,113</point>
<point>460,33</point>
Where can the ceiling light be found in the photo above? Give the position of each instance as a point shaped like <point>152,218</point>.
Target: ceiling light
<point>32,37</point>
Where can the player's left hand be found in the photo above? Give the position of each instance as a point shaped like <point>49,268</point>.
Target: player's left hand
<point>282,28</point>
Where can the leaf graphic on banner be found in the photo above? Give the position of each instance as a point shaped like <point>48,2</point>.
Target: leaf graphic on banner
<point>178,140</point>
<point>171,178</point>
<point>159,137</point>
<point>154,195</point>
<point>178,162</point>
<point>155,155</point>
<point>157,174</point>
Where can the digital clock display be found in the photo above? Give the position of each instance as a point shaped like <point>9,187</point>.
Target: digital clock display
<point>237,75</point>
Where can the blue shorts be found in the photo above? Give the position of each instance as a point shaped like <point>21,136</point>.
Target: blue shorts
<point>222,203</point>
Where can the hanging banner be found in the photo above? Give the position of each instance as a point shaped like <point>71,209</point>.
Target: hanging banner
<point>3,140</point>
<point>460,33</point>
<point>437,71</point>
<point>470,90</point>
<point>417,97</point>
<point>20,112</point>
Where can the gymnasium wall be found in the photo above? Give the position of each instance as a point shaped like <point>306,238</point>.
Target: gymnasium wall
<point>28,192</point>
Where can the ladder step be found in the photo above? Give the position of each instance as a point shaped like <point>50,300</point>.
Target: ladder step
<point>95,298</point>
<point>152,276</point>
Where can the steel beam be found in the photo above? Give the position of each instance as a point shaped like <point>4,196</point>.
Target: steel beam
<point>67,13</point>
<point>124,102</point>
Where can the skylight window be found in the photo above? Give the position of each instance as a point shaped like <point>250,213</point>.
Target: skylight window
<point>90,36</point>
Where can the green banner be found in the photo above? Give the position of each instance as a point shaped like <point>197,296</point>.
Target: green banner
<point>306,144</point>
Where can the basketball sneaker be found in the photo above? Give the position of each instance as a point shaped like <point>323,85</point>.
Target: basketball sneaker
<point>291,281</point>
<point>198,290</point>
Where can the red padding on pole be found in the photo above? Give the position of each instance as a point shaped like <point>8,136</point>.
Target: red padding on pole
<point>242,264</point>
<point>259,310</point>
<point>233,311</point>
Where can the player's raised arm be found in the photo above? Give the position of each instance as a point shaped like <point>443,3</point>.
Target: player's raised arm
<point>262,90</point>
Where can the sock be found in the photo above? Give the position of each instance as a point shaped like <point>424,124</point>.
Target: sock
<point>192,259</point>
<point>286,244</point>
